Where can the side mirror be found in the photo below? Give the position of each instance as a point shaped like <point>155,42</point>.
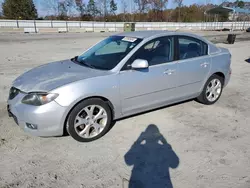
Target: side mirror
<point>140,64</point>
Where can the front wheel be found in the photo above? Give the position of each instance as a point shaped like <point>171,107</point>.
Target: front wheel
<point>212,90</point>
<point>89,120</point>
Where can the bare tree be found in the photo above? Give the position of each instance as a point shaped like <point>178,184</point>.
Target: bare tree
<point>58,7</point>
<point>62,11</point>
<point>158,6</point>
<point>112,7</point>
<point>142,5</point>
<point>103,7</point>
<point>124,8</point>
<point>179,5</point>
<point>80,7</point>
<point>70,5</point>
<point>92,9</point>
<point>52,7</point>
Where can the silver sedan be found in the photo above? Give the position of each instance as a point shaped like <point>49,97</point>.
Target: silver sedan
<point>124,74</point>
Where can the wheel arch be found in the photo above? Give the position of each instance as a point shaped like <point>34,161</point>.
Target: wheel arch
<point>220,74</point>
<point>111,106</point>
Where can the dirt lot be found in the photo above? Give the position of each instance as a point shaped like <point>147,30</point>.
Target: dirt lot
<point>210,144</point>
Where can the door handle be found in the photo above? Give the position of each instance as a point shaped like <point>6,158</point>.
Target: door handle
<point>169,71</point>
<point>204,65</point>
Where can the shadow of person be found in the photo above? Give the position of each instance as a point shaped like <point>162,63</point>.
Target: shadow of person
<point>151,157</point>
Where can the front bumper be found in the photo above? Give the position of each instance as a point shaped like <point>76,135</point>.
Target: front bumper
<point>227,77</point>
<point>49,118</point>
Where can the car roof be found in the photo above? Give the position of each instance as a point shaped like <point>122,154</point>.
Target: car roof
<point>144,34</point>
<point>152,33</point>
<point>156,33</point>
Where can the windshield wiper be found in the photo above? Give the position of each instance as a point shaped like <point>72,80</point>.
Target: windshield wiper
<point>87,65</point>
<point>83,62</point>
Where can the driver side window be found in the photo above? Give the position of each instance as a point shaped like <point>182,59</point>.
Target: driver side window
<point>156,51</point>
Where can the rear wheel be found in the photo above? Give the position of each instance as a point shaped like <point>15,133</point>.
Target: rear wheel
<point>212,90</point>
<point>89,120</point>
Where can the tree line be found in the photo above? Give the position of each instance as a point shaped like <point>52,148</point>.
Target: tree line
<point>106,10</point>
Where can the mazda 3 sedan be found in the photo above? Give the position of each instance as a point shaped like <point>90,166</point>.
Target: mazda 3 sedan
<point>122,75</point>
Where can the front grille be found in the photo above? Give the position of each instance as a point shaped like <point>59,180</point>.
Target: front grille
<point>13,93</point>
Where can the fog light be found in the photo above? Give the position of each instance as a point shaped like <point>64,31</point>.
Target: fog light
<point>31,126</point>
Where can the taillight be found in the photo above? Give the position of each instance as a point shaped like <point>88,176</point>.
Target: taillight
<point>230,72</point>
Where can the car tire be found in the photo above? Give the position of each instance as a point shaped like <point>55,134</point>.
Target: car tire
<point>204,96</point>
<point>79,112</point>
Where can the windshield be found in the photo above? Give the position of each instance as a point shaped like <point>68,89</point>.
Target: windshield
<point>108,53</point>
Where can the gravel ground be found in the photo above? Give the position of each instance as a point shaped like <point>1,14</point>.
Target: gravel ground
<point>208,146</point>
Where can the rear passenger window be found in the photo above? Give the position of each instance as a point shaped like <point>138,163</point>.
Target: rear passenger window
<point>190,47</point>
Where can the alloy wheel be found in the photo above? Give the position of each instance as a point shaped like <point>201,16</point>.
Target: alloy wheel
<point>213,90</point>
<point>90,121</point>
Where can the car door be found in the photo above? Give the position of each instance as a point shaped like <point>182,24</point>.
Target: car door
<point>194,65</point>
<point>143,89</point>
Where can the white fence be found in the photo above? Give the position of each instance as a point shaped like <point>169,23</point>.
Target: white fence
<point>118,26</point>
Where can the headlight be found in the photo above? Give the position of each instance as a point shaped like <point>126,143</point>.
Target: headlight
<point>38,99</point>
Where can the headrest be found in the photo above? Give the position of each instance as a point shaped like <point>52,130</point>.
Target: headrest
<point>193,47</point>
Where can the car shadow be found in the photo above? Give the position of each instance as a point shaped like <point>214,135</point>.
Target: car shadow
<point>65,133</point>
<point>151,157</point>
<point>155,109</point>
<point>247,60</point>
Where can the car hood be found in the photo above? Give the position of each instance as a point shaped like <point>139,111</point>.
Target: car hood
<point>53,75</point>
